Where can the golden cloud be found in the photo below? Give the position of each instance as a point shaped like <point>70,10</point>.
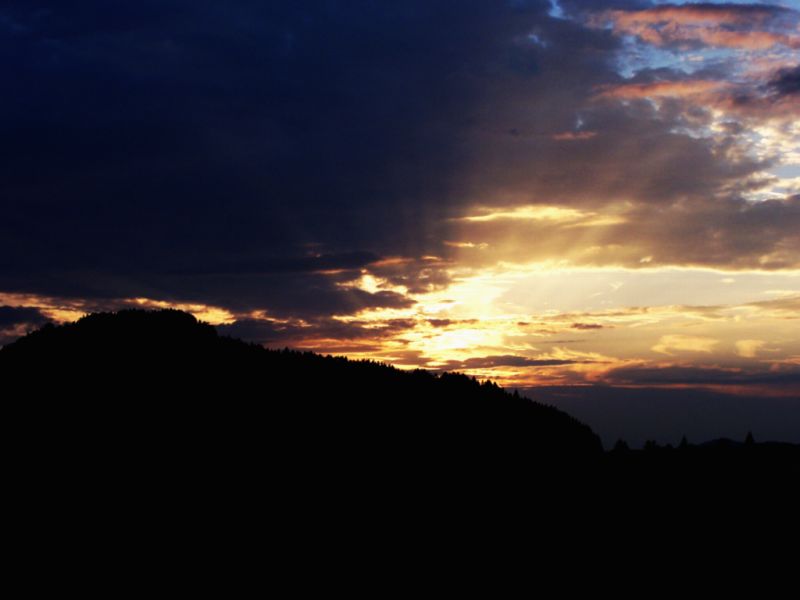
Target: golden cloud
<point>669,344</point>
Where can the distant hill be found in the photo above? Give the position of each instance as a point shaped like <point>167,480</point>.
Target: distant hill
<point>154,383</point>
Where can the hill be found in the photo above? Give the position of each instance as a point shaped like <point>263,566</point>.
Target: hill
<point>157,383</point>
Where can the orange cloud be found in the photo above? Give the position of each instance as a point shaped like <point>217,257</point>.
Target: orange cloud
<point>691,15</point>
<point>747,40</point>
<point>574,135</point>
<point>660,89</point>
<point>746,27</point>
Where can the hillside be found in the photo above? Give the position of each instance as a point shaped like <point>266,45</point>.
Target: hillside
<point>151,382</point>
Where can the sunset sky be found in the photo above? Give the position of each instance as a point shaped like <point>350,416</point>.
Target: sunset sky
<point>595,202</point>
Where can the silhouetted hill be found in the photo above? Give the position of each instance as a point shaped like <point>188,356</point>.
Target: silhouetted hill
<point>156,382</point>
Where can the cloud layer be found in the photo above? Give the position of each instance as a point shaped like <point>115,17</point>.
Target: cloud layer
<point>607,193</point>
<point>243,155</point>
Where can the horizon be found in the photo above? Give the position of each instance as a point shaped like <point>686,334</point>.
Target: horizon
<point>631,403</point>
<point>596,203</point>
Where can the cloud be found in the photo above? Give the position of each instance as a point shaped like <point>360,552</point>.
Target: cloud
<point>587,326</point>
<point>786,82</point>
<point>15,321</point>
<point>192,152</point>
<point>451,322</point>
<point>301,161</point>
<point>16,315</point>
<point>707,232</point>
<point>749,348</point>
<point>508,360</point>
<point>698,13</point>
<point>568,217</point>
<point>677,89</point>
<point>321,332</point>
<point>786,381</point>
<point>754,27</point>
<point>786,308</point>
<point>571,136</point>
<point>669,344</point>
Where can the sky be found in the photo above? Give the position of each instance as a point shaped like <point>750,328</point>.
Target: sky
<point>594,202</point>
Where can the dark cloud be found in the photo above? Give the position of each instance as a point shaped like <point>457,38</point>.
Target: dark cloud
<point>423,275</point>
<point>587,326</point>
<point>322,330</point>
<point>449,322</point>
<point>786,82</point>
<point>578,7</point>
<point>257,156</point>
<point>441,322</point>
<point>17,320</point>
<point>507,360</point>
<point>195,138</point>
<point>350,262</point>
<point>285,297</point>
<point>696,375</point>
<point>16,315</point>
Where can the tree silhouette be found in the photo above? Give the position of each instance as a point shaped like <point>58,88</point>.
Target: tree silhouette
<point>621,446</point>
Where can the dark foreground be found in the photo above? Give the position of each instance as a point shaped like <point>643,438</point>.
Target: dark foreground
<point>150,424</point>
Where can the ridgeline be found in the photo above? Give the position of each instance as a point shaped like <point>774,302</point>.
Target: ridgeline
<point>160,381</point>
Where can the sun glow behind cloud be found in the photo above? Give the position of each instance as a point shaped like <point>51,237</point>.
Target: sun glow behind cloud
<point>620,206</point>
<point>537,324</point>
